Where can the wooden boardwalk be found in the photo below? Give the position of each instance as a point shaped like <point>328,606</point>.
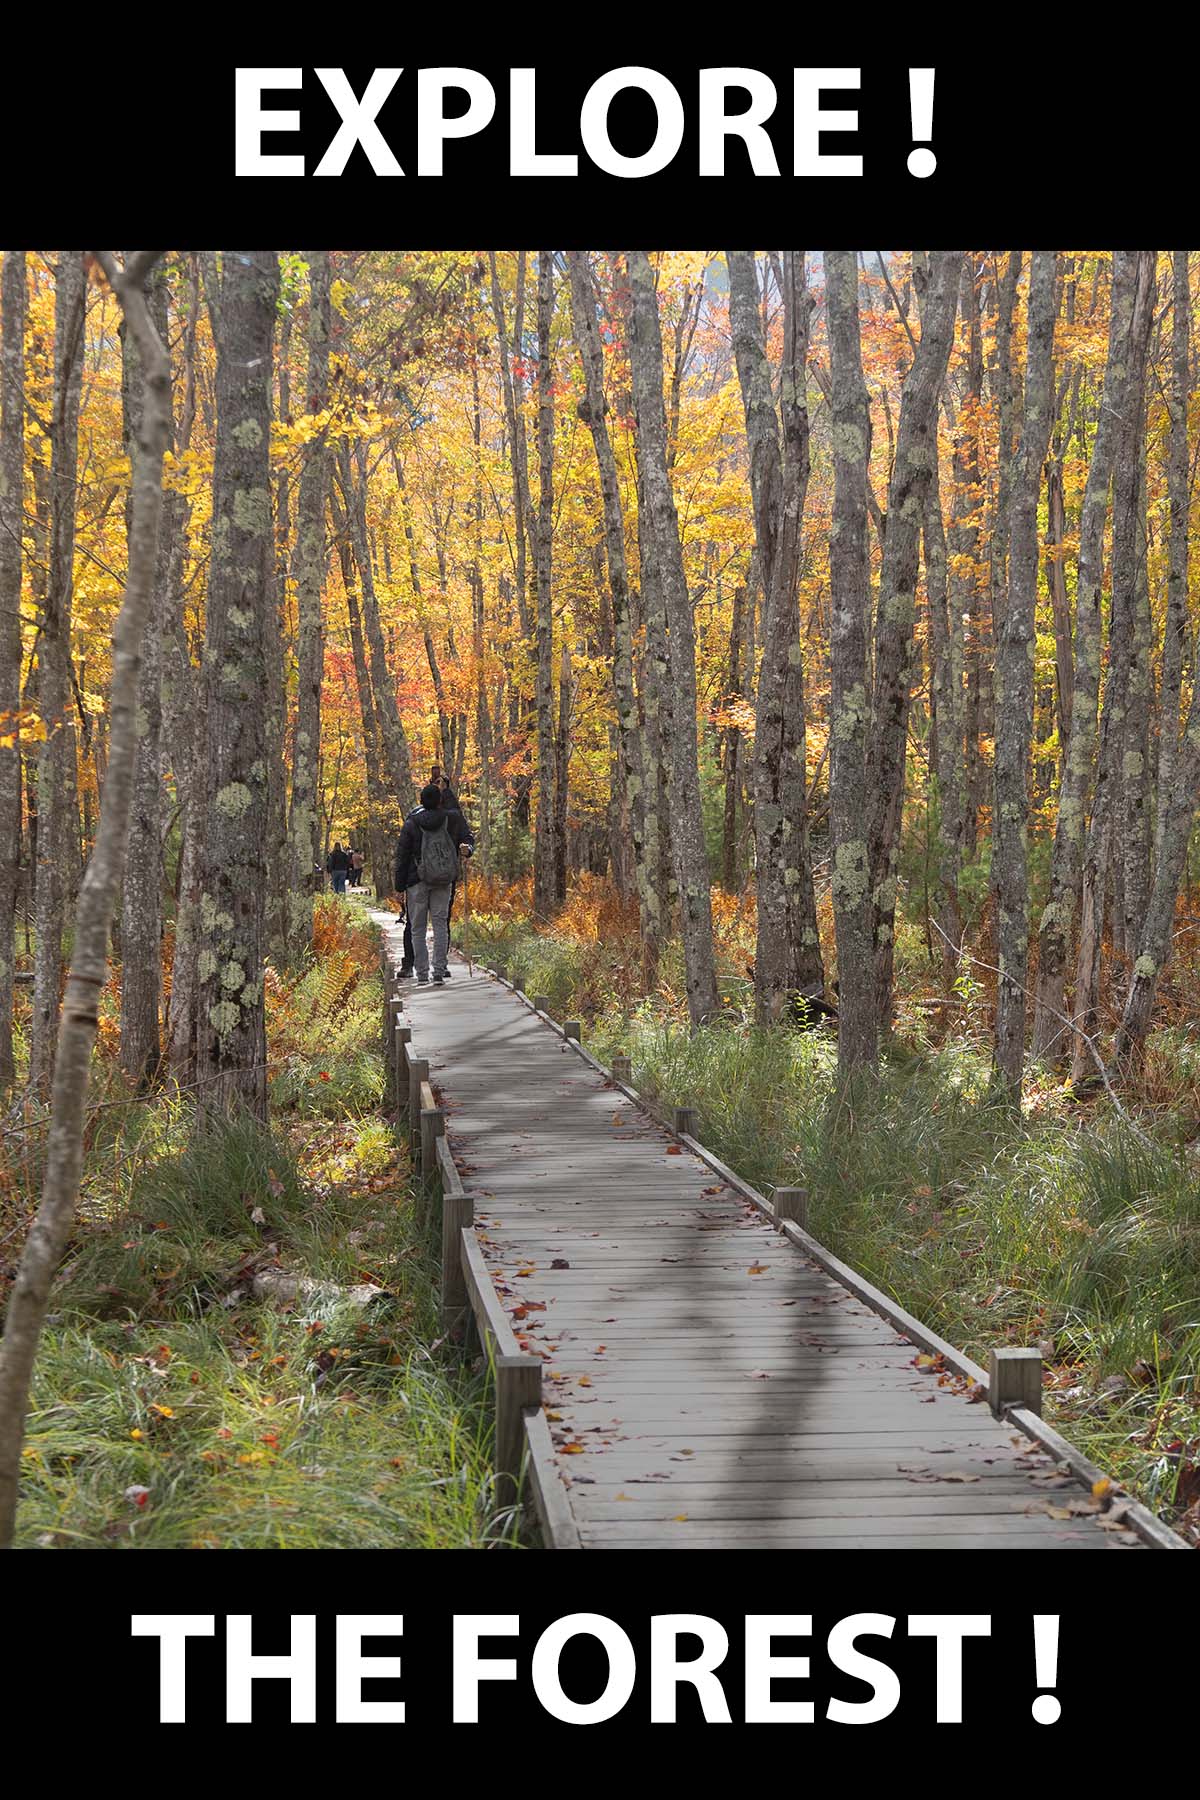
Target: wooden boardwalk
<point>705,1382</point>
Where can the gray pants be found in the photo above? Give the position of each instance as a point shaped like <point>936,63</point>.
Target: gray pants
<point>425,903</point>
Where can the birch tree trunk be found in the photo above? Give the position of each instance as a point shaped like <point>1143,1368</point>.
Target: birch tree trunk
<point>56,781</point>
<point>231,1032</point>
<point>661,540</point>
<point>849,706</point>
<point>1050,1027</point>
<point>12,530</point>
<point>916,449</point>
<point>1014,680</point>
<point>89,959</point>
<point>308,571</point>
<point>546,851</point>
<point>787,952</point>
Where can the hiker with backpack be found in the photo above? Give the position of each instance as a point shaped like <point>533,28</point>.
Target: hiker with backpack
<point>427,866</point>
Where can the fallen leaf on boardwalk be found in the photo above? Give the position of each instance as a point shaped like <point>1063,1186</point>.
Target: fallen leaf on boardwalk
<point>554,1417</point>
<point>572,1450</point>
<point>955,1475</point>
<point>585,1381</point>
<point>560,1262</point>
<point>674,1149</point>
<point>1101,1489</point>
<point>757,1269</point>
<point>757,1375</point>
<point>679,1518</point>
<point>624,1496</point>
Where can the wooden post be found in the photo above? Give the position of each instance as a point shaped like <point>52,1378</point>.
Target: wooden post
<point>518,1385</point>
<point>792,1203</point>
<point>501,968</point>
<point>418,1071</point>
<point>433,1126</point>
<point>572,1029</point>
<point>1015,1379</point>
<point>541,1004</point>
<point>687,1121</point>
<point>458,1212</point>
<point>393,1011</point>
<point>622,1069</point>
<point>403,1035</point>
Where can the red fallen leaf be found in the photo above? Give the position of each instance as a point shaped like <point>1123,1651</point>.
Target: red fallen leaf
<point>674,1149</point>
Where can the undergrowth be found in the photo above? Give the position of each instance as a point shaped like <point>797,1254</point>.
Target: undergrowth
<point>242,1347</point>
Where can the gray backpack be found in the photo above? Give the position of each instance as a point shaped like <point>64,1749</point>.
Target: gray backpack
<point>437,863</point>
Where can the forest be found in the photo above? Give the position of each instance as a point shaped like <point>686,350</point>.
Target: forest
<point>810,638</point>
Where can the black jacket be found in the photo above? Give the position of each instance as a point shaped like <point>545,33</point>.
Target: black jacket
<point>337,859</point>
<point>408,849</point>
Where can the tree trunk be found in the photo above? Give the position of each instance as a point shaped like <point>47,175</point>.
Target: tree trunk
<point>1050,1025</point>
<point>661,539</point>
<point>1014,680</point>
<point>1175,631</point>
<point>64,1156</point>
<point>916,449</point>
<point>1154,945</point>
<point>849,707</point>
<point>231,1034</point>
<point>787,955</point>
<point>546,855</point>
<point>393,741</point>
<point>593,409</point>
<point>56,774</point>
<point>12,529</point>
<point>1102,835</point>
<point>141,891</point>
<point>308,571</point>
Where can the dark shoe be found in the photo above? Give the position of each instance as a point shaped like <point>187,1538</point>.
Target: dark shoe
<point>439,981</point>
<point>422,981</point>
<point>404,972</point>
<point>446,974</point>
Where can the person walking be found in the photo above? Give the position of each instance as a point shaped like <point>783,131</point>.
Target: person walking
<point>337,867</point>
<point>428,857</point>
<point>356,868</point>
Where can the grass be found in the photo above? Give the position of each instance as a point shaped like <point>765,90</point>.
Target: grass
<point>1062,1228</point>
<point>176,1406</point>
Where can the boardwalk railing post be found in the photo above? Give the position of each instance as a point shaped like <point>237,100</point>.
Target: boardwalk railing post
<point>622,1069</point>
<point>518,1385</point>
<point>400,1068</point>
<point>792,1203</point>
<point>541,1004</point>
<point>433,1126</point>
<point>393,1012</point>
<point>1015,1379</point>
<point>572,1029</point>
<point>687,1121</point>
<point>418,1071</point>
<point>458,1212</point>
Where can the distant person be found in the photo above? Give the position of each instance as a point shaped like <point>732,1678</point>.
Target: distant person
<point>450,804</point>
<point>432,845</point>
<point>356,868</point>
<point>337,867</point>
